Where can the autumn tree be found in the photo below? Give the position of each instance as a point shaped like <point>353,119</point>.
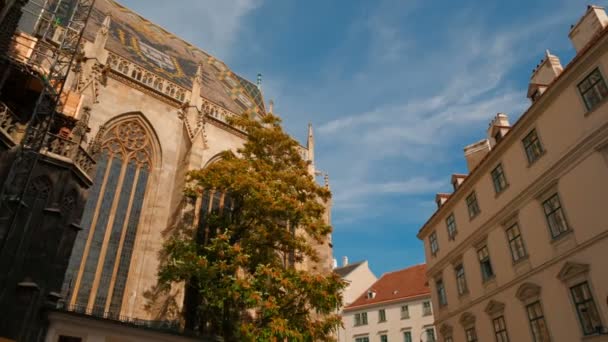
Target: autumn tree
<point>241,262</point>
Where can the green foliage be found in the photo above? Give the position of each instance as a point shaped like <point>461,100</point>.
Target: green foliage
<point>247,291</point>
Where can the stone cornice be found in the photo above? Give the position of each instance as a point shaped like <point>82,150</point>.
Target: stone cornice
<point>580,150</point>
<point>525,122</point>
<point>439,319</point>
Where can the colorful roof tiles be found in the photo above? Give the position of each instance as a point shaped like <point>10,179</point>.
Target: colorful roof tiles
<point>153,48</point>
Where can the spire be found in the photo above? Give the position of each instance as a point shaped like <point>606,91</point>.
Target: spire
<point>197,84</point>
<point>310,146</point>
<point>271,107</point>
<point>259,81</point>
<point>102,34</point>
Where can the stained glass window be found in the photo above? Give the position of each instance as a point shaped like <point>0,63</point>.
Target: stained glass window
<point>110,219</point>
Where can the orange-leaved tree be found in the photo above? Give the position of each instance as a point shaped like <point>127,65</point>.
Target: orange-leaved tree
<point>241,263</point>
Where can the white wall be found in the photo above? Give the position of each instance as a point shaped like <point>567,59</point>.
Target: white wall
<point>394,326</point>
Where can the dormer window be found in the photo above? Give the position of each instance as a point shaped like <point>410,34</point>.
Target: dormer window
<point>536,95</point>
<point>498,136</point>
<point>371,294</point>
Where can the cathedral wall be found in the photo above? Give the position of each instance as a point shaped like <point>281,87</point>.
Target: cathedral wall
<point>118,99</point>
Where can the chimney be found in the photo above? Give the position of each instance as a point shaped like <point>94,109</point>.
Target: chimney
<point>474,153</point>
<point>591,24</point>
<point>499,126</point>
<point>457,179</point>
<point>441,198</point>
<point>344,261</point>
<point>545,72</point>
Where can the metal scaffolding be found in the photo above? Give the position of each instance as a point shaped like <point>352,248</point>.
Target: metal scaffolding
<point>58,33</point>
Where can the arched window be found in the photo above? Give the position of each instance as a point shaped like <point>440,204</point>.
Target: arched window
<point>99,266</point>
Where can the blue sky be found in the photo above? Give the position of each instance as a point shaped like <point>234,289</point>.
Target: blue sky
<point>394,89</point>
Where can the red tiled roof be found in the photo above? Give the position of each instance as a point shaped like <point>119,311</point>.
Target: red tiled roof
<point>407,283</point>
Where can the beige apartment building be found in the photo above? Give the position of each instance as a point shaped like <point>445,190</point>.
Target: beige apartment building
<point>358,278</point>
<point>397,307</point>
<point>518,251</point>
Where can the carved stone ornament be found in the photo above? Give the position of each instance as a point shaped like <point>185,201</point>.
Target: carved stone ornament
<point>494,307</point>
<point>446,330</point>
<point>467,319</point>
<point>527,291</point>
<point>571,270</point>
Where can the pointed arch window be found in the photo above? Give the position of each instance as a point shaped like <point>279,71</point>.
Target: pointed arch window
<point>100,261</point>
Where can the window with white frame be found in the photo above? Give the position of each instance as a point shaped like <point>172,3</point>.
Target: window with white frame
<point>450,222</point>
<point>426,308</point>
<point>472,205</point>
<point>555,216</point>
<point>461,281</point>
<point>405,312</point>
<point>534,149</point>
<point>441,295</point>
<point>536,317</point>
<point>361,318</point>
<point>516,242</point>
<point>407,336</point>
<point>382,315</point>
<point>500,329</point>
<point>593,89</point>
<point>498,179</point>
<point>586,309</point>
<point>362,339</point>
<point>433,243</point>
<point>487,272</point>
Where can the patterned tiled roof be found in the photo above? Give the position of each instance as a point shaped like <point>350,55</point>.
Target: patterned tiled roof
<point>410,282</point>
<point>153,48</point>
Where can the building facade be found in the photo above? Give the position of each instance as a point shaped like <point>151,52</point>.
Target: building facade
<point>397,307</point>
<point>358,278</point>
<point>517,251</point>
<point>153,108</point>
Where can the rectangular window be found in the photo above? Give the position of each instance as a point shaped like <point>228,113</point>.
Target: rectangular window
<point>383,338</point>
<point>441,295</point>
<point>433,242</point>
<point>533,147</point>
<point>362,339</point>
<point>586,309</point>
<point>461,281</point>
<point>593,89</point>
<point>472,205</point>
<point>381,315</point>
<point>516,243</point>
<point>555,216</point>
<point>498,179</point>
<point>430,334</point>
<point>537,322</point>
<point>500,329</point>
<point>364,318</point>
<point>451,224</point>
<point>405,312</point>
<point>487,272</point>
<point>471,334</point>
<point>449,339</point>
<point>407,336</point>
<point>426,309</point>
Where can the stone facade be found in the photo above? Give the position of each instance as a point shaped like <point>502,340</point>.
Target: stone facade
<point>157,107</point>
<point>516,252</point>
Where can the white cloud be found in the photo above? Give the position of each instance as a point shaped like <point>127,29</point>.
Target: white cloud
<point>462,85</point>
<point>212,25</point>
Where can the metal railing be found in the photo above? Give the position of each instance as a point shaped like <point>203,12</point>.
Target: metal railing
<point>69,149</point>
<point>8,123</point>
